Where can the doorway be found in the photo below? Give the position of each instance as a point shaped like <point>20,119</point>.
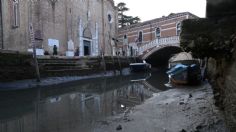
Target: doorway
<point>87,48</point>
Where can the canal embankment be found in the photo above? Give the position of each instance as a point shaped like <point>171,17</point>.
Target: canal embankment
<point>214,38</point>
<point>17,66</point>
<point>214,41</point>
<point>54,81</point>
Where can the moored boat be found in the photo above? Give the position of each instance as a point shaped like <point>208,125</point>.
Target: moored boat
<point>184,69</point>
<point>139,67</point>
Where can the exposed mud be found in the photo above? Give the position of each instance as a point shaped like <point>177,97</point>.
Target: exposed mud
<point>175,110</point>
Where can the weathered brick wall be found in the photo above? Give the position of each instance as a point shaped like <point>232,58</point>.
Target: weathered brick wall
<point>15,38</point>
<point>222,75</point>
<point>61,21</point>
<point>216,40</point>
<point>166,24</point>
<point>218,37</point>
<point>229,87</point>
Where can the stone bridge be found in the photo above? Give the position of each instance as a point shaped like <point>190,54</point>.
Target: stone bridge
<point>150,48</point>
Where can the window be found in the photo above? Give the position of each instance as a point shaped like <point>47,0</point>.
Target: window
<point>125,39</point>
<point>140,36</point>
<point>109,17</point>
<point>16,20</point>
<point>158,32</point>
<point>88,15</point>
<point>178,29</point>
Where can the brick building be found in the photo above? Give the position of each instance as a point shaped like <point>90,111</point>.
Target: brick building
<point>134,36</point>
<point>83,25</point>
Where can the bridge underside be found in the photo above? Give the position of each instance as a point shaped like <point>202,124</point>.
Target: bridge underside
<point>160,57</point>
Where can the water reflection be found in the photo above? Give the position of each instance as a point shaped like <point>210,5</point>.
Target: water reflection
<point>158,79</point>
<point>77,106</point>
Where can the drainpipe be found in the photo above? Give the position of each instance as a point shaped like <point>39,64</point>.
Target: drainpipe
<point>103,30</point>
<point>1,22</point>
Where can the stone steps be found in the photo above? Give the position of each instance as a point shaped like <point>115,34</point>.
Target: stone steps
<point>67,66</point>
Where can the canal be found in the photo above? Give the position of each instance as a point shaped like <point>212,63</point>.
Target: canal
<point>76,106</point>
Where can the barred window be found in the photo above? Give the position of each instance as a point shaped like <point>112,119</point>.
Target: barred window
<point>178,29</point>
<point>158,32</point>
<point>125,39</point>
<point>140,36</point>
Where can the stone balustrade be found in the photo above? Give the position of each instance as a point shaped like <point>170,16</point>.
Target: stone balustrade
<point>174,40</point>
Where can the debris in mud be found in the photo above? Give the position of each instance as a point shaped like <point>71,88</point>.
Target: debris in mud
<point>181,103</point>
<point>190,95</point>
<point>119,127</point>
<point>183,130</point>
<point>199,127</point>
<point>188,108</point>
<point>127,119</point>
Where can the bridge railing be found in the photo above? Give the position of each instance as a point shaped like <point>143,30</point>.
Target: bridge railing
<point>174,40</point>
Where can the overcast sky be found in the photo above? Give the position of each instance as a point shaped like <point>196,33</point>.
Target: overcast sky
<point>150,9</point>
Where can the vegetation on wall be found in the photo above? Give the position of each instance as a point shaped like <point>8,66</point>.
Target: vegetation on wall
<point>208,38</point>
<point>215,39</point>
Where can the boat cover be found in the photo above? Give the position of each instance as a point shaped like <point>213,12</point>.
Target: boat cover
<point>177,69</point>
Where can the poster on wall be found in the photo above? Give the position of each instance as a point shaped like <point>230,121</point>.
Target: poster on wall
<point>51,43</point>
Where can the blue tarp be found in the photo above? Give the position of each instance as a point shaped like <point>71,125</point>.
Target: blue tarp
<point>177,69</point>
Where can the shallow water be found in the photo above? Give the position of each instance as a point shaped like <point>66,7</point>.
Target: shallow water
<point>76,106</point>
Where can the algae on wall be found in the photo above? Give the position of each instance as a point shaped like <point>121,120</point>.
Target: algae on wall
<point>15,66</point>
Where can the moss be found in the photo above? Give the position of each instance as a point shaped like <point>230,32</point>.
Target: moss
<point>15,66</point>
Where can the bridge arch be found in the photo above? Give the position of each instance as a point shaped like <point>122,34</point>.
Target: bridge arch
<point>159,56</point>
<point>158,48</point>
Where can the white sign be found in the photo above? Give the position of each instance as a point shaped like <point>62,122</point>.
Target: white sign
<point>52,42</point>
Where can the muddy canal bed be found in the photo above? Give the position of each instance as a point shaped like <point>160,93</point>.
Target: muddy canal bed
<point>128,103</point>
<point>175,110</point>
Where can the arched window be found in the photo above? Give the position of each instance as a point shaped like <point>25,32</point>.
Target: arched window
<point>140,36</point>
<point>158,32</point>
<point>178,29</point>
<point>87,33</point>
<point>16,14</point>
<point>110,17</point>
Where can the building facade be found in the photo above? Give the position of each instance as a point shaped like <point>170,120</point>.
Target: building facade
<point>1,29</point>
<point>134,36</point>
<point>85,26</point>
